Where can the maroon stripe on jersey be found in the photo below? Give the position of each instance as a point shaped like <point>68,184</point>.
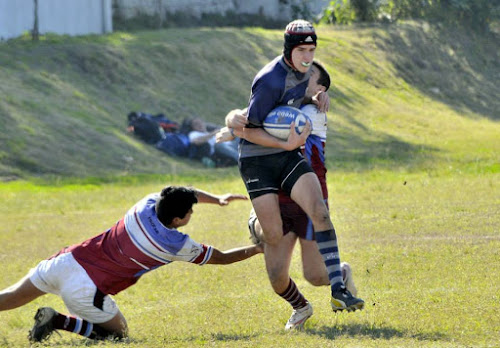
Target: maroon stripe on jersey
<point>136,216</point>
<point>201,257</point>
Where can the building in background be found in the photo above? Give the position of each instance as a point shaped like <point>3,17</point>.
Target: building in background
<point>83,17</point>
<point>274,9</point>
<point>71,17</point>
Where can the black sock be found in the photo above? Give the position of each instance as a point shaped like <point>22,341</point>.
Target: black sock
<point>80,327</point>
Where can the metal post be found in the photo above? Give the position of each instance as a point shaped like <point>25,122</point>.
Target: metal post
<point>35,33</point>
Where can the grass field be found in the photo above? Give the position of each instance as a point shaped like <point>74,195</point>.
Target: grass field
<point>414,173</point>
<point>424,248</point>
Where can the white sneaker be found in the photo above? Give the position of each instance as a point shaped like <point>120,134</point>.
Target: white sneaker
<point>299,317</point>
<point>347,277</point>
<point>251,227</point>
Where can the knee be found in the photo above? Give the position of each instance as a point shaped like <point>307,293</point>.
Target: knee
<point>123,332</point>
<point>320,213</point>
<point>272,236</point>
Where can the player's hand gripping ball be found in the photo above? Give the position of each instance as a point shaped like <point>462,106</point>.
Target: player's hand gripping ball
<point>278,121</point>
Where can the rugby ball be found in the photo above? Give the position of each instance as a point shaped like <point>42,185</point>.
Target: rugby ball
<point>278,121</point>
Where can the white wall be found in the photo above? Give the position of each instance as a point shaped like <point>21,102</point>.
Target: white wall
<point>16,17</point>
<point>269,8</point>
<point>72,17</point>
<point>80,17</point>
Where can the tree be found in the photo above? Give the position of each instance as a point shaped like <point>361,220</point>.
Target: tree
<point>475,14</point>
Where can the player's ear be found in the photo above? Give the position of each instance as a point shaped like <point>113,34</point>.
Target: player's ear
<point>176,222</point>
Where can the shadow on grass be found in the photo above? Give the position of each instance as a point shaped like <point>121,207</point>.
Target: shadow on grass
<point>215,337</point>
<point>352,151</point>
<point>374,332</point>
<point>78,341</point>
<point>222,337</point>
<point>457,67</point>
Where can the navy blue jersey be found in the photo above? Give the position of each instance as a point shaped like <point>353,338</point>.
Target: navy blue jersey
<point>276,84</point>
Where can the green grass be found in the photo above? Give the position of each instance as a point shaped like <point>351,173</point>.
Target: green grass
<point>409,96</point>
<point>424,249</point>
<point>413,172</point>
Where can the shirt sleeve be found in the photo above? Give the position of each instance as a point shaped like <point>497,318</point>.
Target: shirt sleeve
<point>264,98</point>
<point>193,135</point>
<point>193,252</point>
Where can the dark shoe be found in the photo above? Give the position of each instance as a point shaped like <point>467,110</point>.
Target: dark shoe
<point>342,299</point>
<point>43,327</point>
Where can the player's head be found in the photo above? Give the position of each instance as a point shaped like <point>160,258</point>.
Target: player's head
<point>197,124</point>
<point>174,206</point>
<point>319,80</point>
<point>324,76</point>
<point>299,45</point>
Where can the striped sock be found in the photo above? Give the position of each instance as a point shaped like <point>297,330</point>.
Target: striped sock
<point>294,296</point>
<point>328,247</point>
<point>79,326</point>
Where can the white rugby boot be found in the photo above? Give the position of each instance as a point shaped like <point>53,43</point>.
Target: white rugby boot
<point>299,317</point>
<point>348,279</point>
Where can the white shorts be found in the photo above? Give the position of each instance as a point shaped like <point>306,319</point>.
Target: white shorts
<point>65,277</point>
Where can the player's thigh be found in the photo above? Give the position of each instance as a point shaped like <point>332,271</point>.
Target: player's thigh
<point>267,210</point>
<point>307,194</point>
<point>313,265</point>
<point>67,278</point>
<point>84,300</point>
<point>19,294</point>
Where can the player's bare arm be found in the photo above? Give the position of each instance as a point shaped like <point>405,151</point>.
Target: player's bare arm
<point>237,118</point>
<point>261,137</point>
<point>206,197</point>
<point>224,134</point>
<point>203,138</point>
<point>234,255</point>
<point>321,100</point>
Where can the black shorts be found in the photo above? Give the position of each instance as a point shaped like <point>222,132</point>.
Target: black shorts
<point>269,173</point>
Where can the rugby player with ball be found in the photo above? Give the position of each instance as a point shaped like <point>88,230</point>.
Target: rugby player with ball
<point>296,224</point>
<point>268,164</point>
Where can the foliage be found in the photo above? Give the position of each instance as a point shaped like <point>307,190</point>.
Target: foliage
<point>301,10</point>
<point>476,14</point>
<point>338,12</point>
<point>365,10</point>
